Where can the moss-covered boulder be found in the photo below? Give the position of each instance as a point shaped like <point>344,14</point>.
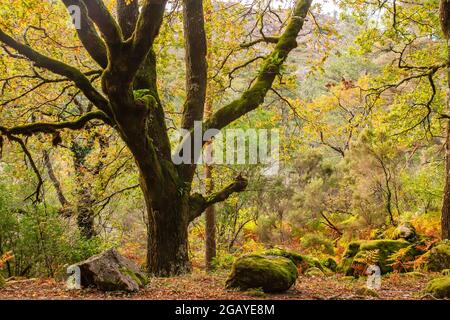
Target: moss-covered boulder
<point>357,255</point>
<point>330,264</point>
<point>348,256</point>
<point>303,262</point>
<point>269,272</point>
<point>314,272</point>
<point>366,292</point>
<point>439,287</point>
<point>404,231</point>
<point>109,271</point>
<point>436,259</point>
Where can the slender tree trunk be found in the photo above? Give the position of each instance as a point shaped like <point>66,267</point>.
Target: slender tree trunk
<point>85,201</point>
<point>56,184</point>
<point>210,216</point>
<point>210,213</point>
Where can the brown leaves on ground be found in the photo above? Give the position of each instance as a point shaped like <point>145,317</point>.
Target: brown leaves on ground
<point>200,285</point>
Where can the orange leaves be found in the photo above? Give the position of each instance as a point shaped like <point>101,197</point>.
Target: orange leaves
<point>5,258</point>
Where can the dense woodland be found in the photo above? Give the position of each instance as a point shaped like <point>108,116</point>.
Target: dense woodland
<point>89,119</point>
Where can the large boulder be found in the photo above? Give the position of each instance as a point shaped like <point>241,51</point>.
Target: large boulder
<point>109,271</point>
<point>269,272</point>
<point>436,259</point>
<point>439,287</point>
<point>356,255</point>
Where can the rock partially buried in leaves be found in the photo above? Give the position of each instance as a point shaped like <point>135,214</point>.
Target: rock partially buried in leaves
<point>314,272</point>
<point>437,259</point>
<point>439,287</point>
<point>109,271</point>
<point>366,292</point>
<point>271,273</point>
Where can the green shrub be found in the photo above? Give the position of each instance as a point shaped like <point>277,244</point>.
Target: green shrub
<point>43,243</point>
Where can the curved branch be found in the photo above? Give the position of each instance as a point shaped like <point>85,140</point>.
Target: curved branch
<point>199,203</point>
<point>255,96</point>
<point>27,153</point>
<point>45,127</point>
<point>60,68</point>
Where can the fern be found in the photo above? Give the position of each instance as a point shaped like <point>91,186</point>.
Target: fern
<point>5,258</point>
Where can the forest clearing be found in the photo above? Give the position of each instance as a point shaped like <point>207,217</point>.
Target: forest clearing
<point>224,150</point>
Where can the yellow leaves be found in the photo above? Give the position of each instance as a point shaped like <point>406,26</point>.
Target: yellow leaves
<point>5,258</point>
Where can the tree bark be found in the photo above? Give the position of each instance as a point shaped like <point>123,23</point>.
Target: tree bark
<point>445,217</point>
<point>445,213</point>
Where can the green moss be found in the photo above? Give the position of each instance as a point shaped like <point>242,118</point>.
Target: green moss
<point>437,259</point>
<point>446,272</point>
<point>136,277</point>
<point>366,292</point>
<point>2,281</point>
<point>303,262</point>
<point>348,256</point>
<point>413,274</point>
<point>439,287</point>
<point>330,264</point>
<point>352,249</point>
<point>385,248</point>
<point>271,273</point>
<point>314,272</point>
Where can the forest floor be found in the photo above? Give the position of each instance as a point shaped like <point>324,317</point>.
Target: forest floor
<point>202,286</point>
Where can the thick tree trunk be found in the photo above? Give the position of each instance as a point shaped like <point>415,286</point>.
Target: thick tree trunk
<point>167,245</point>
<point>445,218</point>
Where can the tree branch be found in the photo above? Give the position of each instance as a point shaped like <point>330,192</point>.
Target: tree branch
<point>147,29</point>
<point>128,15</point>
<point>27,153</point>
<point>45,127</point>
<point>105,22</point>
<point>199,203</point>
<point>255,96</point>
<point>88,35</point>
<point>60,68</point>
